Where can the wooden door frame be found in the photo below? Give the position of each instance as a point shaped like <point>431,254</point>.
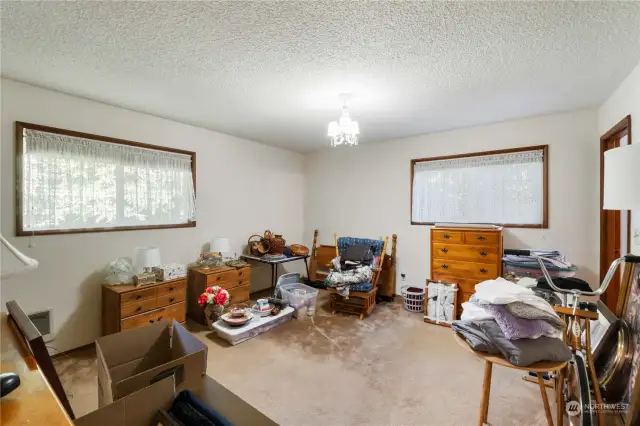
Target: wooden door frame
<point>621,126</point>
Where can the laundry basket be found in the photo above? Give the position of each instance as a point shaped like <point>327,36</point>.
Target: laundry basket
<point>413,298</point>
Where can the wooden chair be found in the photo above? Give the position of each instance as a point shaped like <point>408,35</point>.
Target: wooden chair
<point>362,299</point>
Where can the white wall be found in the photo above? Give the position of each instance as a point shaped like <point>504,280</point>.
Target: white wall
<point>242,188</point>
<point>625,101</point>
<point>366,191</point>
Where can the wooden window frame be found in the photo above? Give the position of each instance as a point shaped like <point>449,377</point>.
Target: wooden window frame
<point>545,182</point>
<point>20,126</point>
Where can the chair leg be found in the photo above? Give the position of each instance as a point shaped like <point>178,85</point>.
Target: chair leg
<point>361,316</point>
<point>486,392</point>
<point>560,397</point>
<point>545,400</point>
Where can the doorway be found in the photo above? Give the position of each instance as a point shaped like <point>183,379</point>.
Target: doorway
<point>615,225</point>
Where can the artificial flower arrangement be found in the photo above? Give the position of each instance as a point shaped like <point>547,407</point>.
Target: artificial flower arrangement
<point>215,295</point>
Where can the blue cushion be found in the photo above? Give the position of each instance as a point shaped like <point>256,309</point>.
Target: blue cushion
<point>362,287</point>
<point>376,245</point>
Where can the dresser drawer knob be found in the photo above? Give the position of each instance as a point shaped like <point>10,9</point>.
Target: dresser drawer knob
<point>240,273</point>
<point>484,271</point>
<point>447,236</point>
<point>444,250</point>
<point>445,266</point>
<point>481,238</point>
<point>171,288</point>
<point>138,297</point>
<point>151,321</point>
<point>172,299</point>
<point>139,308</point>
<point>219,278</point>
<point>483,253</point>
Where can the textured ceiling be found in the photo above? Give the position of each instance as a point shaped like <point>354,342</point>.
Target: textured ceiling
<point>271,71</point>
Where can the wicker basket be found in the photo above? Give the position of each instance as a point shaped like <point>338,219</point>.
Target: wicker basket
<point>258,247</point>
<point>413,298</point>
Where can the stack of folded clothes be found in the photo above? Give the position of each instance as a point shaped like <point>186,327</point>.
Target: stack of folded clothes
<point>509,319</point>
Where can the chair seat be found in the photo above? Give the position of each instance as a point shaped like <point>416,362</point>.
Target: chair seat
<point>356,288</point>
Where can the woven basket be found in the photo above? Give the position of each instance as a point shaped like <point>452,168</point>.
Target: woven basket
<point>413,298</point>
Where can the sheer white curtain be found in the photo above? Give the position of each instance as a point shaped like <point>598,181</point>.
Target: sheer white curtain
<point>502,188</point>
<point>71,183</point>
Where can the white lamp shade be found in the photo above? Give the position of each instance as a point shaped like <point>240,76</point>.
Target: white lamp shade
<point>219,245</point>
<point>621,175</point>
<point>146,257</point>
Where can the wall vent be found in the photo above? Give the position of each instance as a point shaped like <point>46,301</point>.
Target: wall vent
<point>42,321</point>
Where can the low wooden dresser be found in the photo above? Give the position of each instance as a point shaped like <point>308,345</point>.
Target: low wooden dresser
<point>465,256</point>
<point>237,281</point>
<point>128,306</point>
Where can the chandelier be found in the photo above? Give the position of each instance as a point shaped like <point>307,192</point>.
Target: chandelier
<point>345,131</point>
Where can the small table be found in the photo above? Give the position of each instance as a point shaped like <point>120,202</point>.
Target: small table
<point>274,264</point>
<point>538,367</point>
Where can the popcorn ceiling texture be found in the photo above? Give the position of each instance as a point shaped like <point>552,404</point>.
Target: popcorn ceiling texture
<point>271,71</point>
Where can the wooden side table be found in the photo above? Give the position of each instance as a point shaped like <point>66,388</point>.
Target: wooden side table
<point>538,367</point>
<point>237,281</point>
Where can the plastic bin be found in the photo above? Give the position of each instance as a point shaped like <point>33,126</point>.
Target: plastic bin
<point>300,297</point>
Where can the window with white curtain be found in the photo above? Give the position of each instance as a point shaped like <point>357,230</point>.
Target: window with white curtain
<point>75,182</point>
<point>505,187</point>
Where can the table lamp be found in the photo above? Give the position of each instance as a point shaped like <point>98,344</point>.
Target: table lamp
<point>219,245</point>
<point>146,258</point>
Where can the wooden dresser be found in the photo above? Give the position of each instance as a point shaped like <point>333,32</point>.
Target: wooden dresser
<point>127,306</point>
<point>465,256</point>
<point>237,281</point>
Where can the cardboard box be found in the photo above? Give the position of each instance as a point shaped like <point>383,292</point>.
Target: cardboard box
<point>141,408</point>
<point>135,359</point>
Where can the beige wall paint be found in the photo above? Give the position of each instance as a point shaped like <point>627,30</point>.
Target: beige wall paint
<point>366,191</point>
<point>625,101</point>
<point>242,188</point>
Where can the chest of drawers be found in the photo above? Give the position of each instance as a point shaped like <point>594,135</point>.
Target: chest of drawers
<point>127,306</point>
<point>237,281</point>
<point>465,256</point>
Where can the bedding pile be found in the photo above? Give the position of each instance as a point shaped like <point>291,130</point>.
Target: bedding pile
<point>342,280</point>
<point>509,319</point>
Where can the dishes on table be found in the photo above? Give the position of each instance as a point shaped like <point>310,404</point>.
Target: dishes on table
<point>263,310</point>
<point>236,321</point>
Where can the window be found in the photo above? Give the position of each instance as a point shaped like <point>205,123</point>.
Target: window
<point>507,187</point>
<point>72,182</point>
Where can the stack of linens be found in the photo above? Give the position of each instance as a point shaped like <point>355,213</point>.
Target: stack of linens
<point>508,319</point>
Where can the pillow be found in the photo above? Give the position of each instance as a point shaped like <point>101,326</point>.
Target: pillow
<point>525,352</point>
<point>515,327</point>
<point>523,310</point>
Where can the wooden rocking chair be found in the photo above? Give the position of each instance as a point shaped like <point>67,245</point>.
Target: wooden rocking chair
<point>362,297</point>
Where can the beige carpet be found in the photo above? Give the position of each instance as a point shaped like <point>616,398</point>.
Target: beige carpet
<point>389,369</point>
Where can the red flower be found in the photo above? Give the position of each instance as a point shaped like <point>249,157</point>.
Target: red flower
<point>202,300</point>
<point>209,290</point>
<point>220,298</point>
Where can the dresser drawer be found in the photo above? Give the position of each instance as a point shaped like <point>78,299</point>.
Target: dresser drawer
<point>169,299</point>
<point>137,307</point>
<point>447,236</point>
<point>463,252</point>
<point>481,238</point>
<point>138,295</point>
<point>239,294</point>
<point>236,282</point>
<point>470,270</point>
<point>172,288</point>
<point>177,312</point>
<point>143,319</point>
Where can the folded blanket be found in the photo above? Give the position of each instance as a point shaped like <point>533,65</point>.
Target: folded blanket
<point>471,311</point>
<point>524,310</point>
<point>474,336</point>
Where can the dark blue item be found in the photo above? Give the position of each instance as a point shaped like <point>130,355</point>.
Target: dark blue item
<point>8,383</point>
<point>192,411</point>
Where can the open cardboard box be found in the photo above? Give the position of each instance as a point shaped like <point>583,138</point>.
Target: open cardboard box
<point>134,359</point>
<point>142,408</point>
